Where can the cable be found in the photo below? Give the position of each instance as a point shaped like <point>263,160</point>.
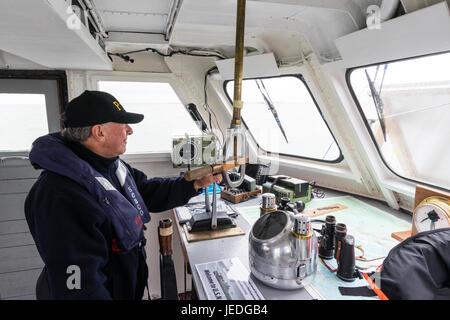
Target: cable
<point>317,221</point>
<point>365,268</point>
<point>205,99</point>
<point>362,258</point>
<point>172,52</point>
<point>319,231</point>
<point>123,56</point>
<point>328,267</point>
<point>206,105</point>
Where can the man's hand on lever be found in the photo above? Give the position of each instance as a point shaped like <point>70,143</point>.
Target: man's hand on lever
<point>207,180</point>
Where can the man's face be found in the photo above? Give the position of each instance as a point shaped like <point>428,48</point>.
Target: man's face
<point>116,134</point>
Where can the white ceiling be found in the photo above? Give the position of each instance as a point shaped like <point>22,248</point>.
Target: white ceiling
<point>271,25</point>
<point>36,30</point>
<point>134,15</point>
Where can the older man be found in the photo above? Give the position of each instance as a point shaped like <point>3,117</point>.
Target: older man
<point>87,210</point>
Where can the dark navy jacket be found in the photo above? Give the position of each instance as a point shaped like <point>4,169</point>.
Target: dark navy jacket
<point>70,228</point>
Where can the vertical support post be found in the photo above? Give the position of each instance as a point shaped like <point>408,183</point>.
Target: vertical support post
<point>238,66</point>
<point>237,102</point>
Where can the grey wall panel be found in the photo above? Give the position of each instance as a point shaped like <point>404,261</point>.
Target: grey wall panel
<point>16,284</point>
<point>23,297</point>
<point>16,240</point>
<point>18,172</point>
<point>23,264</point>
<point>17,259</point>
<point>17,253</point>
<point>10,227</point>
<point>11,206</point>
<point>16,186</point>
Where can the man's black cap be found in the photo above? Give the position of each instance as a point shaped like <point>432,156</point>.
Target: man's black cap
<point>97,107</point>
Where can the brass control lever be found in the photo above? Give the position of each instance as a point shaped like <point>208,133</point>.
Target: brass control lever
<point>213,169</point>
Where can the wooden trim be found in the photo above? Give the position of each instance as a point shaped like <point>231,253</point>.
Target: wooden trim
<point>401,235</point>
<point>424,192</point>
<point>421,194</point>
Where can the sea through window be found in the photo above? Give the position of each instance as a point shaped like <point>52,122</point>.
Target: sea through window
<point>406,107</point>
<point>24,118</point>
<point>283,118</point>
<point>165,116</point>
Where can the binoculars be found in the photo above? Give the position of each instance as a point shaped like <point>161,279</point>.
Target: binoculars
<point>334,242</point>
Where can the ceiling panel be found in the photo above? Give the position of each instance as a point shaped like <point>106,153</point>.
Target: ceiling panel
<point>206,23</point>
<point>37,31</point>
<point>130,22</point>
<point>144,6</point>
<point>134,15</point>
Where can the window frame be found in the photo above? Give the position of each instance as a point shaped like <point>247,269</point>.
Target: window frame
<point>59,76</point>
<point>301,78</point>
<point>366,123</point>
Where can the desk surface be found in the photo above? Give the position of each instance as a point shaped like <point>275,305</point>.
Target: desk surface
<point>237,246</point>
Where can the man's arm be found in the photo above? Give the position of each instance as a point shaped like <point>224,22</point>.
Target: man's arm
<point>69,229</point>
<point>161,194</point>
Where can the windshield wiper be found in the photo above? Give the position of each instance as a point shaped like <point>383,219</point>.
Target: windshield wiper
<point>377,100</point>
<point>269,103</point>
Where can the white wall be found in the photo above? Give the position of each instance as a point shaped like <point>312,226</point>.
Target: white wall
<point>11,61</point>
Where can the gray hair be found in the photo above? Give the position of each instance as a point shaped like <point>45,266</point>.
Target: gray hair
<point>78,134</point>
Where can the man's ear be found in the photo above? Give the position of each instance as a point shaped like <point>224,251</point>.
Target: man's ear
<point>97,132</point>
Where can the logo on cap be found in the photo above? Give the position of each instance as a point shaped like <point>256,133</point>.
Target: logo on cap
<point>117,105</point>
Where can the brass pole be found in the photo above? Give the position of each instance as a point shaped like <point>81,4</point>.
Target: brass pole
<point>238,66</point>
<point>237,106</point>
<point>238,63</point>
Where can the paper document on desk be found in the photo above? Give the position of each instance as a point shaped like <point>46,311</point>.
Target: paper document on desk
<point>227,279</point>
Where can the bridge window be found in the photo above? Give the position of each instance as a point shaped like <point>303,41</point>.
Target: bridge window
<point>23,119</point>
<point>165,115</point>
<point>282,116</point>
<point>406,107</point>
<point>30,104</point>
